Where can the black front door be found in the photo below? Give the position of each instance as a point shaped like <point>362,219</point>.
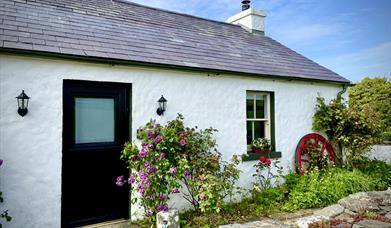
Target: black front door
<point>95,128</point>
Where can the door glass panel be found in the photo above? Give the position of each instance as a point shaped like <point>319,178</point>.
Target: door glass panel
<point>260,106</point>
<point>94,120</point>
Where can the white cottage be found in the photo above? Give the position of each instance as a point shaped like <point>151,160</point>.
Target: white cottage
<point>94,71</point>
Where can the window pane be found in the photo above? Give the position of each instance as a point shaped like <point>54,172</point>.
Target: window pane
<point>259,129</point>
<point>260,106</point>
<point>249,132</point>
<point>94,120</point>
<point>250,107</point>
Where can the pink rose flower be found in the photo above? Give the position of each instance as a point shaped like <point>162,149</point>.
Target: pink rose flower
<point>182,142</point>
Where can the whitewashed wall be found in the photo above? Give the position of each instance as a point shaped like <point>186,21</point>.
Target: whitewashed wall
<point>381,152</point>
<point>32,145</point>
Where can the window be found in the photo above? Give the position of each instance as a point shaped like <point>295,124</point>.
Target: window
<point>258,116</point>
<point>260,121</point>
<point>94,120</point>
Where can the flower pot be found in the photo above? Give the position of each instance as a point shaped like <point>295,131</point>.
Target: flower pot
<point>260,150</point>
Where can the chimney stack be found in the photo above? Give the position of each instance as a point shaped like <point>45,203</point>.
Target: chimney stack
<point>245,4</point>
<point>250,19</point>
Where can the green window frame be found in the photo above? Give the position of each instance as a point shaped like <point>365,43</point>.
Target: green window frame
<point>260,121</point>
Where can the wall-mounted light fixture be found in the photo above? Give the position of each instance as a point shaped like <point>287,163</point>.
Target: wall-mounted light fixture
<point>23,103</point>
<point>162,106</point>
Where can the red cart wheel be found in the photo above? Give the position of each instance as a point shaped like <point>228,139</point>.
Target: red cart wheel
<point>305,152</point>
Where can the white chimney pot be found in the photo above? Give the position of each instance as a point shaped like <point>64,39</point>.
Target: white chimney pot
<point>250,19</point>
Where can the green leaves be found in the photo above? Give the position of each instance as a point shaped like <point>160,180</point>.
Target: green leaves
<point>171,156</point>
<point>210,179</point>
<point>374,94</point>
<point>356,130</point>
<point>317,189</point>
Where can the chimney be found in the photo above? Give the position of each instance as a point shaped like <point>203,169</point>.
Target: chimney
<point>245,5</point>
<point>250,19</point>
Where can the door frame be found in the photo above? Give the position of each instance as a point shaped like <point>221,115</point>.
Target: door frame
<point>71,87</point>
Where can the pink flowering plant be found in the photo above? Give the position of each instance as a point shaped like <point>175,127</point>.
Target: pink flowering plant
<point>266,177</point>
<point>154,168</point>
<point>172,156</point>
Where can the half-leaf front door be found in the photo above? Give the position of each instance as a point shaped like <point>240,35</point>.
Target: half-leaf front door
<point>95,128</point>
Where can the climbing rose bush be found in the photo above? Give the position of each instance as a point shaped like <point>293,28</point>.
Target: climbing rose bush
<point>265,178</point>
<point>153,168</point>
<point>174,155</point>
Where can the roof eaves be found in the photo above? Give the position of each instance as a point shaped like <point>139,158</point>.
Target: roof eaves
<point>164,66</point>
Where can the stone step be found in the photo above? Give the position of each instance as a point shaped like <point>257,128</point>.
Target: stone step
<point>119,223</point>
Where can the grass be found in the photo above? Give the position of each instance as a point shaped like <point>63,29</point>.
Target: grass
<point>249,209</point>
<point>316,189</point>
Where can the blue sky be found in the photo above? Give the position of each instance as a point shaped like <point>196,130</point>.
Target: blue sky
<point>350,37</point>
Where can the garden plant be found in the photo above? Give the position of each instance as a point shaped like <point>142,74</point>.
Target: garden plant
<point>174,159</point>
<point>316,159</point>
<point>347,128</point>
<point>261,145</point>
<point>375,94</point>
<point>174,156</point>
<point>265,176</point>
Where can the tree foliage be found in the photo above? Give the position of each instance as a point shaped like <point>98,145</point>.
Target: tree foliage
<point>374,94</point>
<point>355,130</point>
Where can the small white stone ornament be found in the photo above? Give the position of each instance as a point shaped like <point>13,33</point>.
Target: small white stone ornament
<point>169,219</point>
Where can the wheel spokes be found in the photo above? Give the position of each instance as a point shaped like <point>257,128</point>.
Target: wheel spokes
<point>323,148</point>
<point>311,149</point>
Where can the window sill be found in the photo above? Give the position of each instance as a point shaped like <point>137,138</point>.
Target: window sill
<point>254,156</point>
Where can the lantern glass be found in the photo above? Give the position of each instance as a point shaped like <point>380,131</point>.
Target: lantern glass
<point>19,102</point>
<point>162,105</point>
<point>23,103</point>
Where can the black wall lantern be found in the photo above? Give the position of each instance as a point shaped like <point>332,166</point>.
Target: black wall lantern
<point>23,103</point>
<point>162,106</point>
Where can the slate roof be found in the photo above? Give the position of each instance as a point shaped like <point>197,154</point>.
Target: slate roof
<point>127,31</point>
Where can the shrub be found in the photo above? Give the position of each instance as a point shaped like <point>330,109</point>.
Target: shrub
<point>317,189</point>
<point>207,178</point>
<point>377,169</point>
<point>153,168</point>
<point>356,131</point>
<point>173,155</point>
<point>376,94</point>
